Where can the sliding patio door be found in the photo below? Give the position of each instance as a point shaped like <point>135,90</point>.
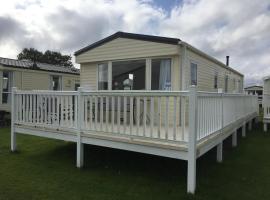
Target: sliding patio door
<point>128,75</point>
<point>161,74</point>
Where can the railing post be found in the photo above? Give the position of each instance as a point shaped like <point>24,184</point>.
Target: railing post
<point>192,140</point>
<point>13,117</point>
<point>222,110</point>
<point>80,112</point>
<point>220,145</point>
<point>257,110</point>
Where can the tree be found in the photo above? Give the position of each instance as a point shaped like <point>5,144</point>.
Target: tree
<point>49,57</point>
<point>30,54</point>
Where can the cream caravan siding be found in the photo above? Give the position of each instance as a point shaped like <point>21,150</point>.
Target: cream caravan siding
<point>176,83</point>
<point>17,79</point>
<point>69,82</point>
<point>122,48</point>
<point>206,70</point>
<point>89,76</point>
<point>35,81</point>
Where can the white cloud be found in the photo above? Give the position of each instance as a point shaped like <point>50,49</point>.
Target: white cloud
<point>238,28</point>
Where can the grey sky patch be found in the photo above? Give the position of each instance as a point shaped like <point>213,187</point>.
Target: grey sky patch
<point>76,29</point>
<point>10,28</point>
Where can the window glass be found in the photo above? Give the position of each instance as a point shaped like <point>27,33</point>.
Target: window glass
<point>128,75</point>
<point>6,87</point>
<point>56,83</point>
<point>216,80</point>
<point>103,76</point>
<point>76,86</point>
<point>161,74</point>
<point>193,74</point>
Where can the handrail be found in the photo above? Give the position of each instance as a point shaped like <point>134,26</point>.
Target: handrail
<point>136,92</point>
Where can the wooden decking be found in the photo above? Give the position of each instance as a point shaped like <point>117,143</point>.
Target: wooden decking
<point>153,126</point>
<point>89,136</point>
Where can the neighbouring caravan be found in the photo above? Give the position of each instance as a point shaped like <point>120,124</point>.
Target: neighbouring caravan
<point>26,75</point>
<point>255,90</point>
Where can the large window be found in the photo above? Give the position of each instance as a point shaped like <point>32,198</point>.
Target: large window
<point>193,74</point>
<point>56,82</point>
<point>6,87</point>
<point>103,76</point>
<point>161,74</point>
<point>128,75</point>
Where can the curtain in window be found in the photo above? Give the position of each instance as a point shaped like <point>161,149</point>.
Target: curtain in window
<point>103,76</point>
<point>165,75</point>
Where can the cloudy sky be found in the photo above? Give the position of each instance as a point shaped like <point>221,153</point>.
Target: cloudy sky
<point>239,28</point>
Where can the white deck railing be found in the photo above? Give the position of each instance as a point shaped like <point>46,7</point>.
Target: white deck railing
<point>157,115</point>
<point>266,106</point>
<point>138,113</point>
<point>219,110</point>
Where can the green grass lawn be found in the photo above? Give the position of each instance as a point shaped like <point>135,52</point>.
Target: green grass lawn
<point>45,169</point>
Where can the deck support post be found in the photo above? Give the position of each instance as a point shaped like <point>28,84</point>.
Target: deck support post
<point>265,127</point>
<point>220,152</point>
<point>244,130</point>
<point>250,125</point>
<point>13,144</point>
<point>80,153</point>
<point>192,141</point>
<point>234,138</point>
<point>80,149</point>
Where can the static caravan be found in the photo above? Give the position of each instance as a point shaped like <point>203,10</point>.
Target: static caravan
<point>26,75</point>
<point>143,62</point>
<point>136,96</point>
<point>255,90</point>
